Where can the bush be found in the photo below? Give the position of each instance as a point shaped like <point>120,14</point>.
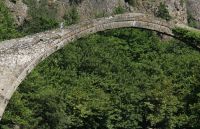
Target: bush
<point>42,17</point>
<point>71,17</point>
<point>117,79</point>
<point>186,35</point>
<point>119,10</point>
<point>163,12</point>
<point>191,21</point>
<point>75,1</point>
<point>38,24</point>
<point>7,27</point>
<point>131,2</point>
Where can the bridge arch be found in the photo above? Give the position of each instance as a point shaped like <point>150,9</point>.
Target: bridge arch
<point>18,57</point>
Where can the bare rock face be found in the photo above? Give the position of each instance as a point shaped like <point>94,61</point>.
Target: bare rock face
<point>98,8</point>
<point>193,7</point>
<point>177,8</point>
<point>87,9</point>
<point>18,9</point>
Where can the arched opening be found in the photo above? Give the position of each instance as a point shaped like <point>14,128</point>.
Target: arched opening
<point>124,78</point>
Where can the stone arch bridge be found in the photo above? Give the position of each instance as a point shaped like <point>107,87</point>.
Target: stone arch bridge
<point>19,56</point>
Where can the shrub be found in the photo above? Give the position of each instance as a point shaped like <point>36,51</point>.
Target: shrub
<point>131,2</point>
<point>75,1</point>
<point>38,24</point>
<point>190,36</point>
<point>7,27</point>
<point>191,21</point>
<point>119,10</point>
<point>72,16</point>
<point>42,17</point>
<point>163,12</point>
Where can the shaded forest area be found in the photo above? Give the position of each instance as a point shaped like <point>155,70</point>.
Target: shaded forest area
<point>118,79</point>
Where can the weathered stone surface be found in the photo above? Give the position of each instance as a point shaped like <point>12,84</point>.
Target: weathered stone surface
<point>98,8</point>
<point>18,9</point>
<point>177,8</point>
<point>19,56</point>
<point>194,8</point>
<point>89,9</point>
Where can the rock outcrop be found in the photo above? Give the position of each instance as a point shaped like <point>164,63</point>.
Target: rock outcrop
<point>87,9</point>
<point>177,8</point>
<point>97,8</point>
<point>18,9</point>
<point>193,7</point>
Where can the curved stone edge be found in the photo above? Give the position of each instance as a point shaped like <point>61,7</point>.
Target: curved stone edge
<point>76,32</point>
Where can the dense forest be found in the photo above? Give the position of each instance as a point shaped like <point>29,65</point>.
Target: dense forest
<point>118,79</point>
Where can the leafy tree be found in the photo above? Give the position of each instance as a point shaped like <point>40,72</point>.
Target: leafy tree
<point>188,35</point>
<point>117,79</point>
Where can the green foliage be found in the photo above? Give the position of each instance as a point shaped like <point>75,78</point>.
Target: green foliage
<point>101,14</point>
<point>182,2</point>
<point>186,35</point>
<point>19,114</point>
<point>72,16</point>
<point>131,2</point>
<point>163,12</point>
<point>38,24</point>
<point>75,1</point>
<point>191,21</point>
<point>7,28</point>
<point>119,10</point>
<point>118,79</point>
<point>42,17</point>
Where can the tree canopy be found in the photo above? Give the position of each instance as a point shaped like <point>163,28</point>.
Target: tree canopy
<point>117,79</point>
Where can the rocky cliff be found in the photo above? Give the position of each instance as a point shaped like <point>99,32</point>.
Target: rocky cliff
<point>18,9</point>
<point>193,7</point>
<point>178,9</point>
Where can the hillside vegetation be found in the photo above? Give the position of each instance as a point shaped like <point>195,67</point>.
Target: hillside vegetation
<point>118,79</point>
<point>7,27</point>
